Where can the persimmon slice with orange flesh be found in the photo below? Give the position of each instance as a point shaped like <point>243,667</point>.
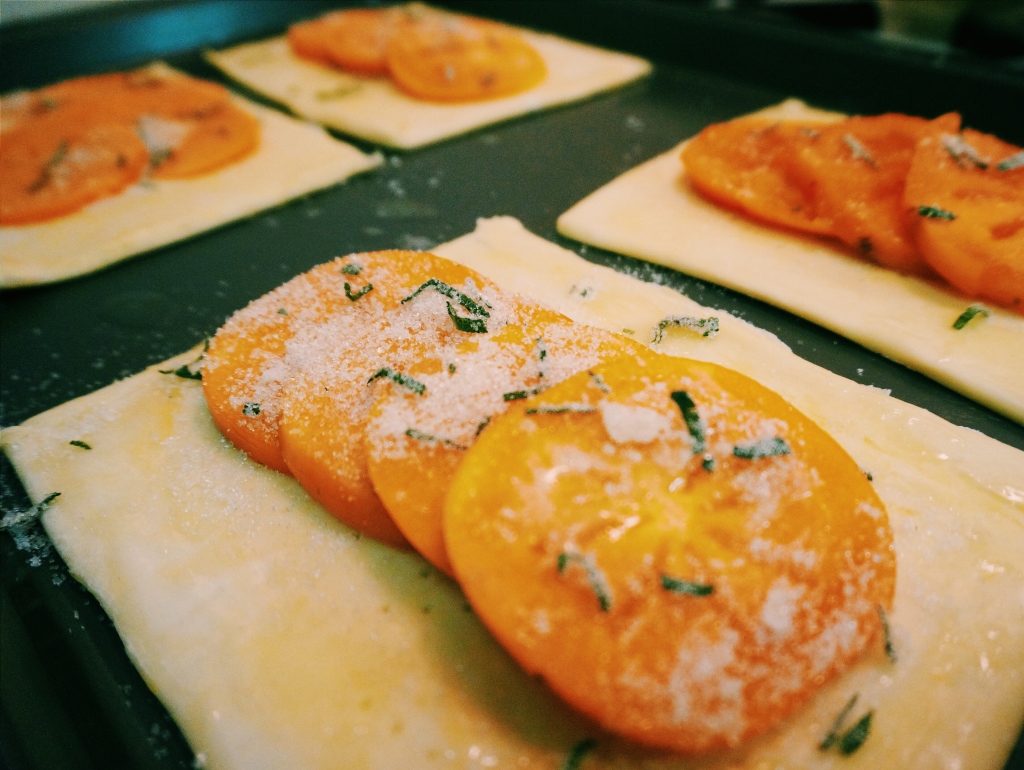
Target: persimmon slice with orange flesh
<point>48,170</point>
<point>354,40</point>
<point>680,554</point>
<point>216,138</point>
<point>749,165</point>
<point>246,366</point>
<point>415,442</point>
<point>448,58</point>
<point>968,201</point>
<point>338,365</point>
<point>859,168</point>
<point>73,143</point>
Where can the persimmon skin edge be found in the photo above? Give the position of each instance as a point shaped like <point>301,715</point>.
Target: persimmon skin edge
<point>636,666</point>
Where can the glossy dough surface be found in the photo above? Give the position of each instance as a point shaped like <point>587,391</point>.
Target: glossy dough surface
<point>651,213</point>
<point>373,108</point>
<point>276,638</point>
<point>294,158</point>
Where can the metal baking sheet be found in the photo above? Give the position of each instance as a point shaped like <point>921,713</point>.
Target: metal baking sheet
<point>69,696</point>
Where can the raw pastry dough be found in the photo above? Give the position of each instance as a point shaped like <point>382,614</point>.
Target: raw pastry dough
<point>277,638</point>
<point>294,158</point>
<point>651,213</point>
<point>373,108</point>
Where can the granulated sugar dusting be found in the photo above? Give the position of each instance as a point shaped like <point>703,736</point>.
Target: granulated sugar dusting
<point>693,596</point>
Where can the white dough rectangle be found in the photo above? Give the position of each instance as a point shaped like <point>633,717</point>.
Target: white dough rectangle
<point>652,213</point>
<point>294,158</point>
<point>373,108</point>
<point>277,638</point>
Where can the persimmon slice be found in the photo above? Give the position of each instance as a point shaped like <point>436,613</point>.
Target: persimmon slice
<point>750,165</point>
<point>448,58</point>
<point>680,554</point>
<point>246,366</point>
<point>968,201</point>
<point>859,168</point>
<point>73,143</point>
<point>338,365</point>
<point>415,442</point>
<point>354,40</point>
<point>49,170</point>
<point>213,139</point>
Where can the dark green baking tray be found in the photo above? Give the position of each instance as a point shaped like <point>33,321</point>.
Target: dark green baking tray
<point>69,696</point>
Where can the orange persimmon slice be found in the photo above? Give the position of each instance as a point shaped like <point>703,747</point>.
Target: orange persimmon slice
<point>415,442</point>
<point>967,195</point>
<point>218,137</point>
<point>355,40</point>
<point>339,366</point>
<point>246,366</point>
<point>749,165</point>
<point>73,143</point>
<point>49,169</point>
<point>448,58</point>
<point>859,168</point>
<point>680,554</point>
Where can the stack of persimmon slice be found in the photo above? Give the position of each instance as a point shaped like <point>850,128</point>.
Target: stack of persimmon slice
<point>917,196</point>
<point>678,552</point>
<point>428,54</point>
<point>68,145</point>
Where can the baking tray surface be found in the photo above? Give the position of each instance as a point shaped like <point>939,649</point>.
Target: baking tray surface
<point>69,695</point>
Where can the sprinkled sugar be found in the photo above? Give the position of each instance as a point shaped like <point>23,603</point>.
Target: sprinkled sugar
<point>639,424</point>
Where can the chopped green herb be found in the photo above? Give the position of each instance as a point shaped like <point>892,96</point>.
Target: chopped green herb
<point>47,173</point>
<point>352,268</point>
<point>561,409</point>
<point>1014,161</point>
<point>515,395</point>
<point>17,519</point>
<point>82,444</point>
<point>677,586</point>
<point>693,422</point>
<point>686,322</point>
<point>451,368</point>
<point>833,736</point>
<point>483,424</point>
<point>598,582</point>
<point>184,371</point>
<point>398,378</point>
<point>251,409</point>
<point>585,292</point>
<point>338,92</point>
<point>854,738</point>
<point>960,151</point>
<point>890,651</point>
<point>282,311</point>
<point>868,475</point>
<point>965,317</point>
<point>542,348</point>
<point>628,331</point>
<point>578,753</point>
<point>766,447</point>
<point>359,294</point>
<point>599,382</point>
<point>442,288</point>
<point>160,155</point>
<point>472,325</point>
<point>708,463</point>
<point>421,436</point>
<point>934,212</point>
<point>859,151</point>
